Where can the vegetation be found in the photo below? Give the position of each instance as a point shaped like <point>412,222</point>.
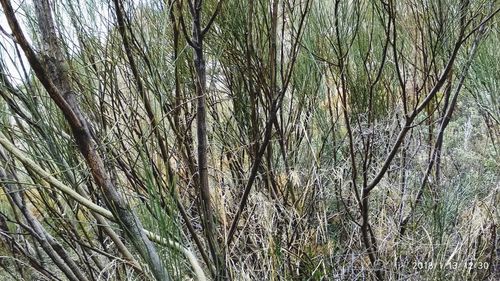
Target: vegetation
<point>249,140</point>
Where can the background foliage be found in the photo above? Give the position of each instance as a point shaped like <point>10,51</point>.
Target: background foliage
<point>339,140</point>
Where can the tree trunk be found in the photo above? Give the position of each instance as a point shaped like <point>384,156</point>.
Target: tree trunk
<point>52,74</point>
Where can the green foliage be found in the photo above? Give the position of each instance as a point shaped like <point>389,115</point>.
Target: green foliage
<point>346,90</point>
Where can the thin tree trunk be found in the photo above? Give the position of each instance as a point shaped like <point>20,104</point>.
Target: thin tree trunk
<point>201,131</point>
<point>53,249</point>
<point>53,76</point>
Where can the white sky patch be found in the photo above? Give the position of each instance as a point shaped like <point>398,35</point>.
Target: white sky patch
<point>12,60</point>
<point>92,18</point>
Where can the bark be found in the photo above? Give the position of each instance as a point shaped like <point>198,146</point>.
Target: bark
<point>53,77</point>
<point>53,249</point>
<point>32,166</point>
<point>207,215</point>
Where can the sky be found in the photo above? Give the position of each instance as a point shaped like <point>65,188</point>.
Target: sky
<point>8,52</point>
<point>94,17</point>
<point>95,20</point>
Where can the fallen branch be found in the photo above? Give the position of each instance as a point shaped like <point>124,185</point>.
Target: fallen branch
<point>30,164</point>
